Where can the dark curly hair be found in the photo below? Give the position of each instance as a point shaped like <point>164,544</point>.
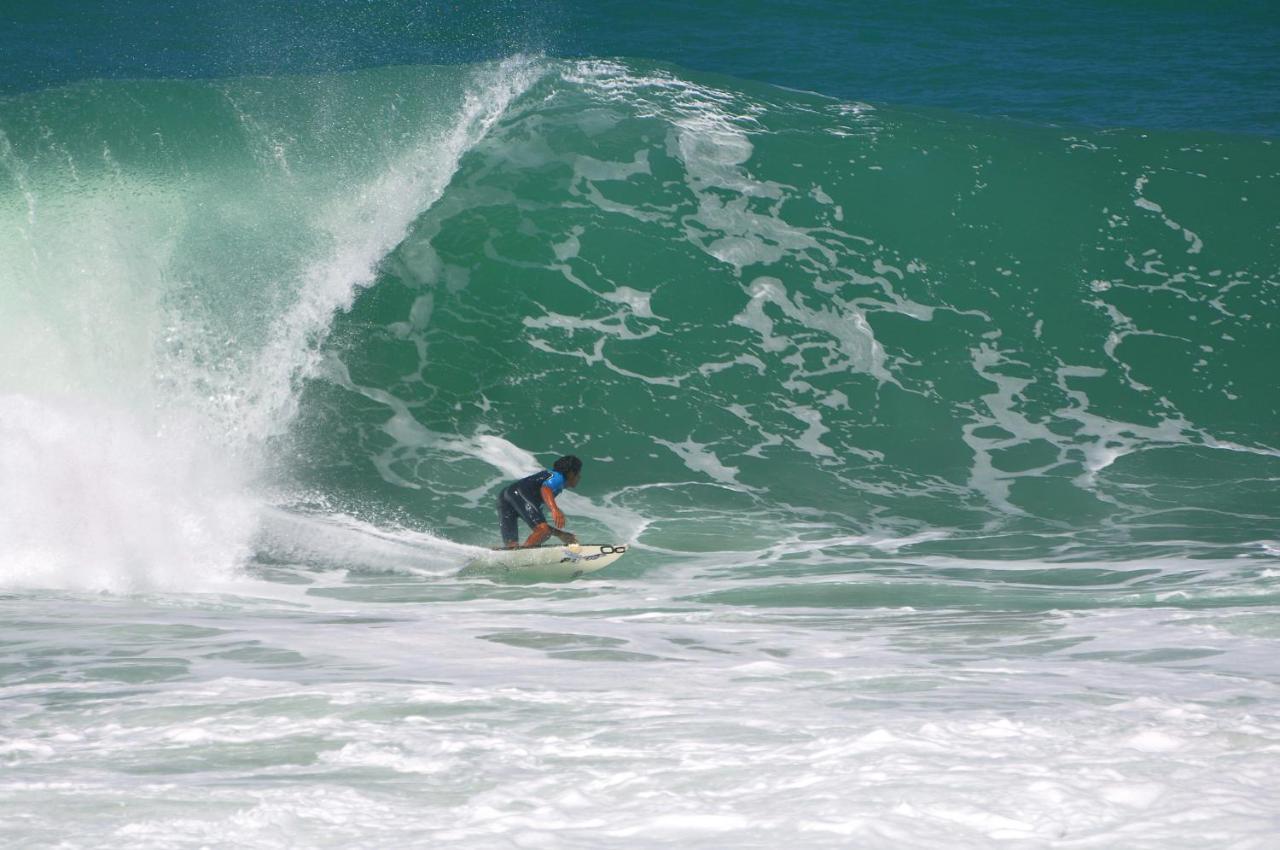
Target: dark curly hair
<point>568,464</point>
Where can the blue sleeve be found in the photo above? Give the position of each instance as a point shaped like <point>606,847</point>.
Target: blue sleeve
<point>555,482</point>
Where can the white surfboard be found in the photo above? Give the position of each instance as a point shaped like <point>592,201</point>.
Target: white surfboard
<point>559,561</point>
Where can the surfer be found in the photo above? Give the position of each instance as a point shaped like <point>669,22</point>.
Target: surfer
<point>526,497</point>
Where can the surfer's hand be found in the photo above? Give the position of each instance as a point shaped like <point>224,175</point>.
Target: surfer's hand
<point>569,538</point>
<point>558,518</point>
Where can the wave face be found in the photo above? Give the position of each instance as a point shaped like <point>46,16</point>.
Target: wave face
<point>765,315</point>
<point>760,315</point>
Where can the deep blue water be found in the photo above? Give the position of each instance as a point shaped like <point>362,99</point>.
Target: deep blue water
<point>1165,65</point>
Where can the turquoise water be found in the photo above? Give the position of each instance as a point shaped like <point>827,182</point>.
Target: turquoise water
<point>925,367</point>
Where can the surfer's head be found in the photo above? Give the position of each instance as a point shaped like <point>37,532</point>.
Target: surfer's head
<point>570,466</point>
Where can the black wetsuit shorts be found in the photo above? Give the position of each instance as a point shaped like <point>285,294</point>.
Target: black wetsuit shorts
<point>512,503</point>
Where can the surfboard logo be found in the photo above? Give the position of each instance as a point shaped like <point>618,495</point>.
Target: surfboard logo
<point>570,556</point>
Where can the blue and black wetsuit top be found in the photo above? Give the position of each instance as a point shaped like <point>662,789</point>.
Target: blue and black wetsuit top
<point>531,486</point>
<point>524,499</point>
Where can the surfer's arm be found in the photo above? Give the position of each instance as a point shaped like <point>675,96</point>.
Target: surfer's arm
<point>565,536</point>
<point>549,499</point>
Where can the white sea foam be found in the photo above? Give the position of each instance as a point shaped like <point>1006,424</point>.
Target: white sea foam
<point>1195,245</point>
<point>699,458</point>
<point>855,345</point>
<point>92,497</point>
<point>627,715</point>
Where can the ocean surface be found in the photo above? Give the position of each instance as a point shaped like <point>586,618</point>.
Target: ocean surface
<point>924,355</point>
